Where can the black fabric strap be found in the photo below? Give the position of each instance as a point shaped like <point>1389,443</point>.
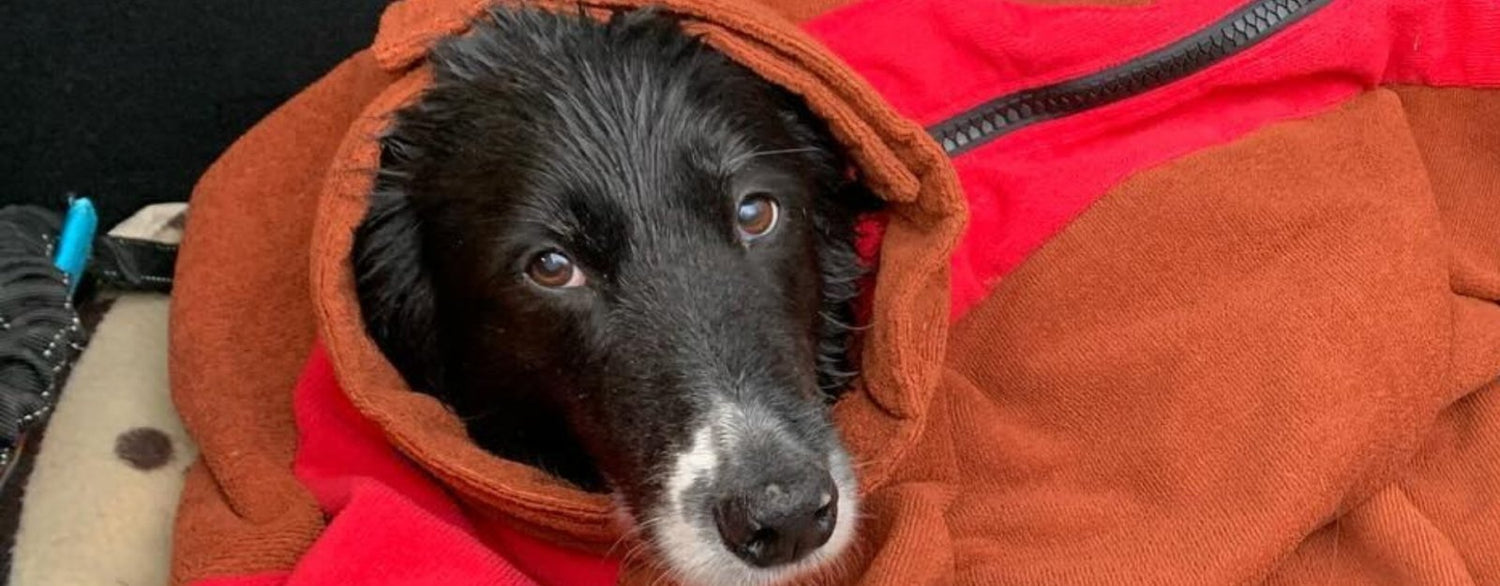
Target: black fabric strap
<point>133,265</point>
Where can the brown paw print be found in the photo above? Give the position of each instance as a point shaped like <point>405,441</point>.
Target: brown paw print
<point>144,448</point>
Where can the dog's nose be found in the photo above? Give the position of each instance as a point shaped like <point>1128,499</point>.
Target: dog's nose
<point>779,523</point>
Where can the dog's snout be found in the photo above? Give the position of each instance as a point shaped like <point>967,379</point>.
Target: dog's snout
<point>776,523</point>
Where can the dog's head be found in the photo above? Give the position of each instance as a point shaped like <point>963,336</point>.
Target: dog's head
<point>624,258</point>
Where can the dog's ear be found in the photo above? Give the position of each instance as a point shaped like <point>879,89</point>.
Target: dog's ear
<point>395,290</point>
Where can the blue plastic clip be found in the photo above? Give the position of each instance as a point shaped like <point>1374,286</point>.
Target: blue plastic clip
<point>76,241</point>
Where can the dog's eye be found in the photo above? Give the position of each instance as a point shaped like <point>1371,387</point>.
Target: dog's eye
<point>757,216</point>
<point>554,270</point>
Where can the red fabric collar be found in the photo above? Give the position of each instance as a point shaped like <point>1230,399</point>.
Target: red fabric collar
<point>392,524</point>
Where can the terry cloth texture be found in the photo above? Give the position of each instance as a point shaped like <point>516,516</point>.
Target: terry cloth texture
<point>1240,328</point>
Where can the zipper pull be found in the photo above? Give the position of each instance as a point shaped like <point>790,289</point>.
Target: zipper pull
<point>76,241</point>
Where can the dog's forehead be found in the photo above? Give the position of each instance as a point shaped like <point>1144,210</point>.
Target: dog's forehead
<point>653,176</point>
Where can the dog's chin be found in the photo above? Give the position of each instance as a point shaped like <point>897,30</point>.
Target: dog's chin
<point>689,545</point>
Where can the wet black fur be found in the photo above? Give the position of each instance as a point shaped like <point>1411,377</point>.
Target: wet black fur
<point>616,142</point>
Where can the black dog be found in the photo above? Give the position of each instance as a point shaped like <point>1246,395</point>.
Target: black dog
<point>625,259</point>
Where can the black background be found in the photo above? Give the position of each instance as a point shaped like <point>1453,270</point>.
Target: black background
<point>128,101</point>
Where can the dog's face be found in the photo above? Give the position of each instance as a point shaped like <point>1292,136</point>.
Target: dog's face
<point>622,257</point>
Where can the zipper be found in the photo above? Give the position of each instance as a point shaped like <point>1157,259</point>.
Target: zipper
<point>1240,30</point>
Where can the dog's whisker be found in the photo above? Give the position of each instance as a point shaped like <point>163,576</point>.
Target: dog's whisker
<point>830,318</point>
<point>662,576</point>
<point>635,531</point>
<point>861,464</point>
<point>479,416</point>
<point>838,374</point>
<point>740,160</point>
<point>630,556</point>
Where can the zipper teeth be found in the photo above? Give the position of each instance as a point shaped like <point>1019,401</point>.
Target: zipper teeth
<point>1240,30</point>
